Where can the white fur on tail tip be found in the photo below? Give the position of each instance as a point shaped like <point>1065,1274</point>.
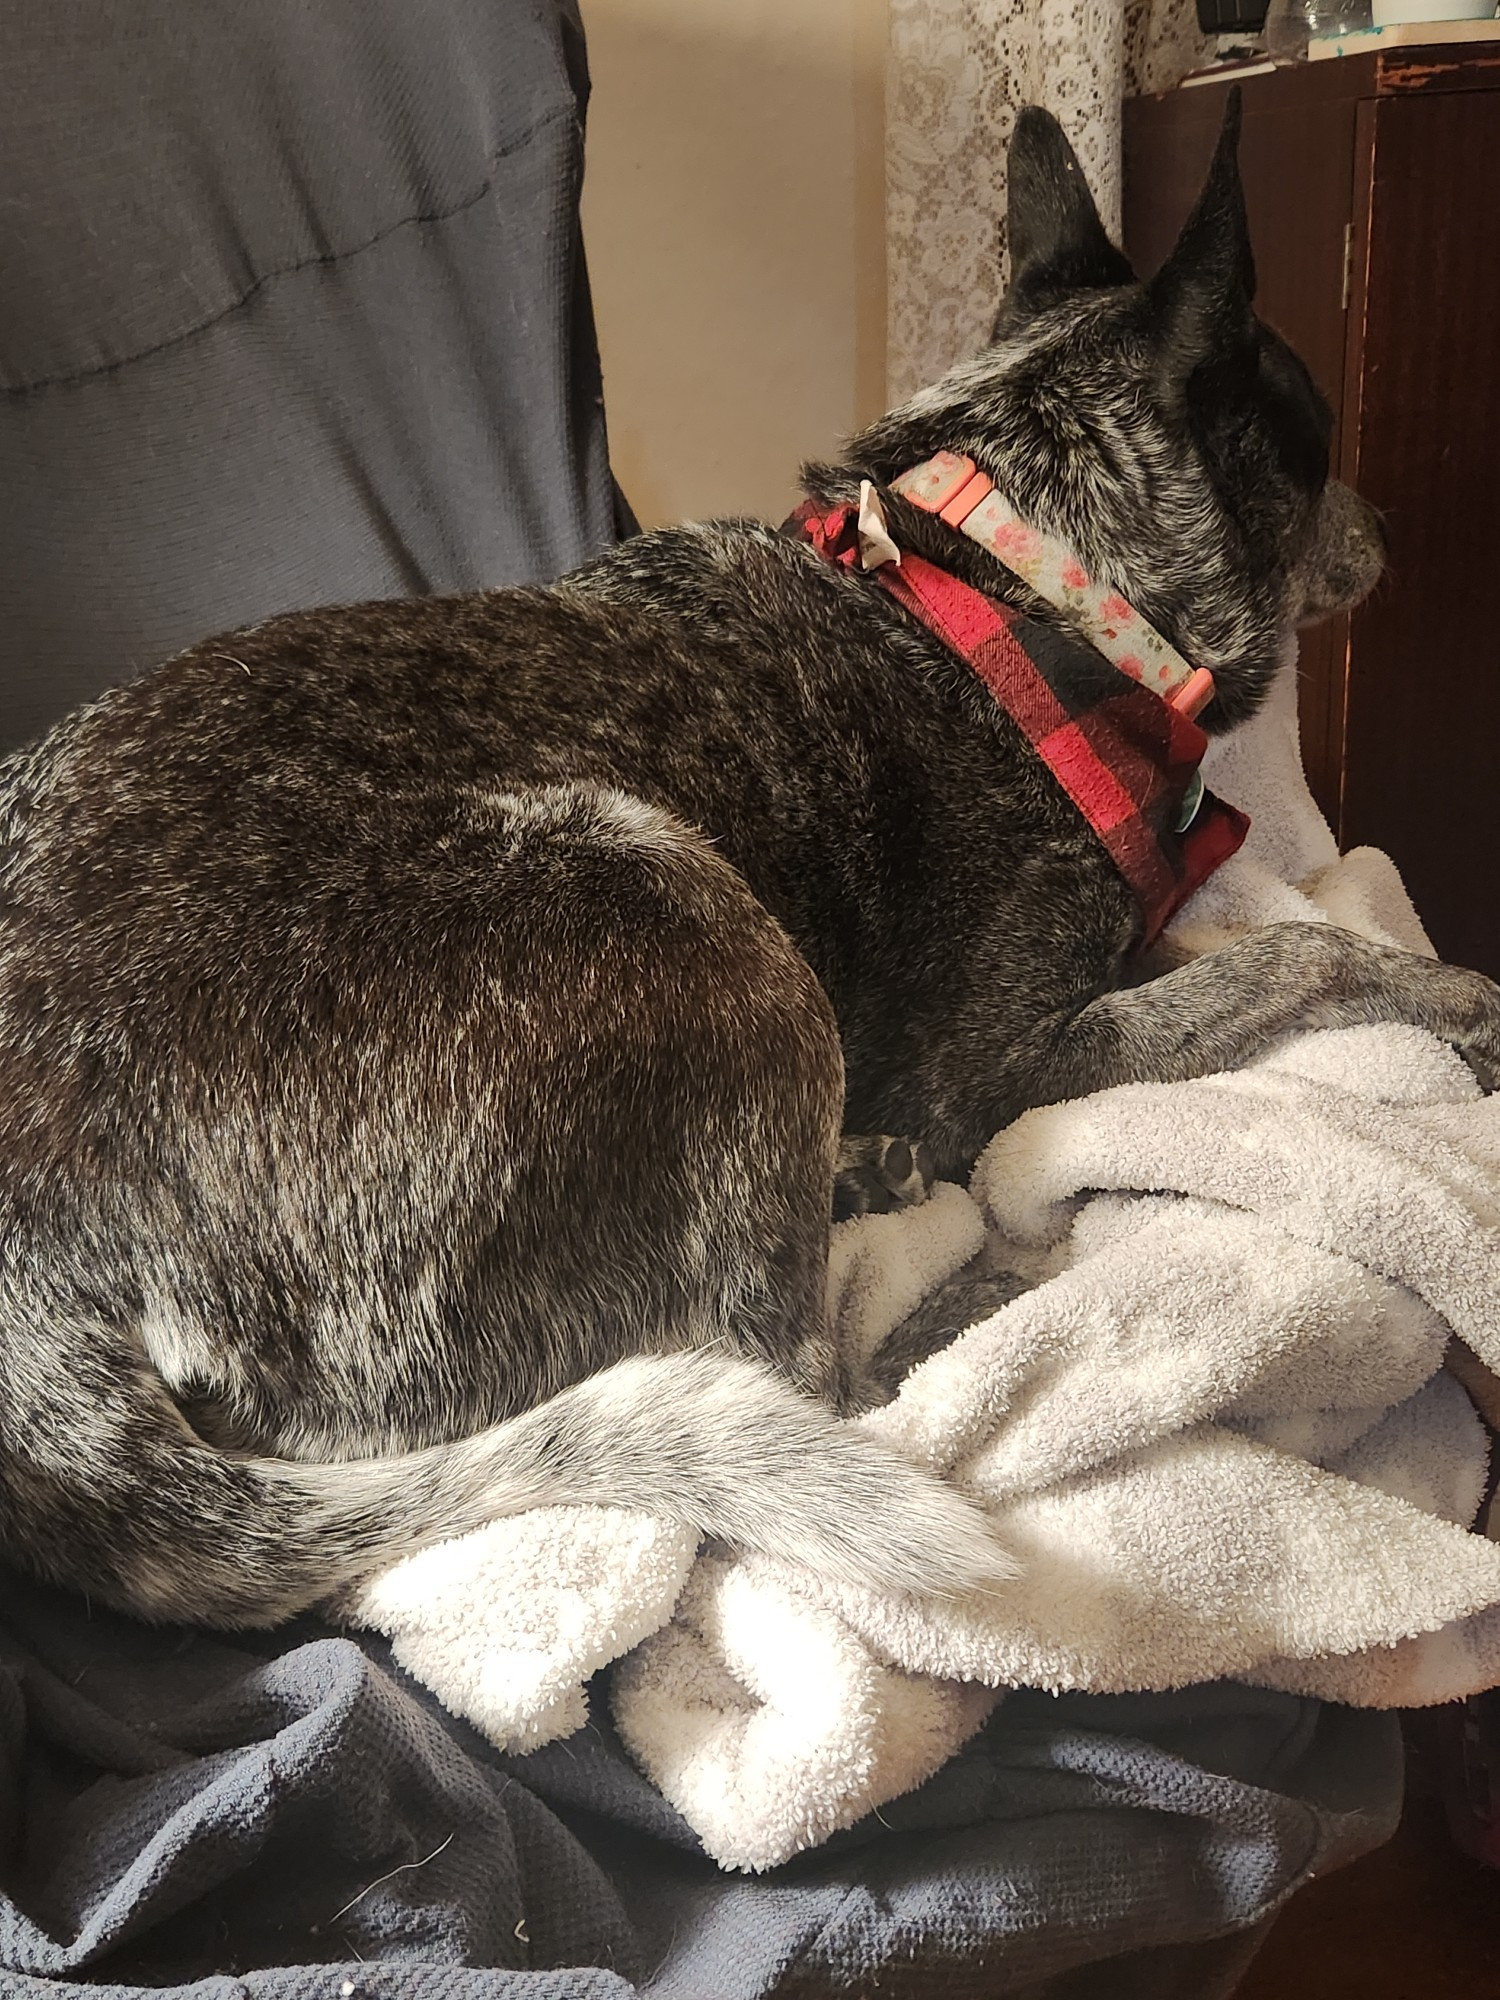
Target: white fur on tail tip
<point>724,1444</point>
<point>834,1499</point>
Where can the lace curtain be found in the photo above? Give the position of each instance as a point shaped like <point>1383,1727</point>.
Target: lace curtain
<point>959,70</point>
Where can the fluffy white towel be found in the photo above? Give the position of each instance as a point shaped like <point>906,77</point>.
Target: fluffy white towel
<point>1216,1431</point>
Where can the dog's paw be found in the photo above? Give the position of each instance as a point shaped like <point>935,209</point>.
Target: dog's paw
<point>951,1310</point>
<point>1486,1071</point>
<point>877,1174</point>
<point>1476,1002</point>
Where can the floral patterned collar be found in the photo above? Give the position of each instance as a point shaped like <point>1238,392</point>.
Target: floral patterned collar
<point>953,488</point>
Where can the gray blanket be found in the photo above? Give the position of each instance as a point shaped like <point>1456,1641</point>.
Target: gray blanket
<point>287,1816</point>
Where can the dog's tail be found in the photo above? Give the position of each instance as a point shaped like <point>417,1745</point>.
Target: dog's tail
<point>155,1520</point>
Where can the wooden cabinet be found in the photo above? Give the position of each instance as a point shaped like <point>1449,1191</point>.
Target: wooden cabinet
<point>1373,185</point>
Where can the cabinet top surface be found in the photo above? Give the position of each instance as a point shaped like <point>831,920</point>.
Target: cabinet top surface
<point>1393,72</point>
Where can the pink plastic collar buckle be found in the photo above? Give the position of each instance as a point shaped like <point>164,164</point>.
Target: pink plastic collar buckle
<point>1196,692</point>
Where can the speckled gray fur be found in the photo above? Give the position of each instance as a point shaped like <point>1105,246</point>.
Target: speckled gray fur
<point>426,1029</point>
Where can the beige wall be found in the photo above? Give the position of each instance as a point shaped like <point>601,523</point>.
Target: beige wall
<point>734,219</point>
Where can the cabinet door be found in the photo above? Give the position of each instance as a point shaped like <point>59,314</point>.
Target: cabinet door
<point>1297,160</point>
<point>1422,731</point>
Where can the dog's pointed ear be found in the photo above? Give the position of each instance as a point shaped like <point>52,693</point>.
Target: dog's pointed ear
<point>1204,293</point>
<point>1057,242</point>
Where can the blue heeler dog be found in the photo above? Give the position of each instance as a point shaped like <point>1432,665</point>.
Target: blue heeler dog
<point>427,1029</point>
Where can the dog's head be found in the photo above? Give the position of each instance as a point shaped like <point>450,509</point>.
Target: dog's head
<point>1163,430</point>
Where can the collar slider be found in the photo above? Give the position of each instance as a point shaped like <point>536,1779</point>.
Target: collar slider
<point>875,545</point>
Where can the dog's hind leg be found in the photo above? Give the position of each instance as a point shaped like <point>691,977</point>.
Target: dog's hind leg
<point>548,1225</point>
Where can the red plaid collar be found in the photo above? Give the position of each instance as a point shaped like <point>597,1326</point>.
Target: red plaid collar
<point>1126,758</point>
